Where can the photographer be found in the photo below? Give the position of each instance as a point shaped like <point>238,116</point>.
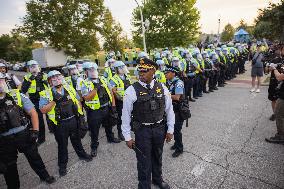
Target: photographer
<point>279,107</point>
<point>274,59</point>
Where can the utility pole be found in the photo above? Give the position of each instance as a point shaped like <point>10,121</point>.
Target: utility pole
<point>143,27</point>
<point>219,21</point>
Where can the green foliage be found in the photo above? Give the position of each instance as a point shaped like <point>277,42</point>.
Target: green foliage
<point>172,23</point>
<point>270,22</point>
<point>65,24</point>
<point>15,48</point>
<point>228,33</point>
<point>111,32</point>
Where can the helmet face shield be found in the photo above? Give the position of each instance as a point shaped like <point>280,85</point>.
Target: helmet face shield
<point>34,69</point>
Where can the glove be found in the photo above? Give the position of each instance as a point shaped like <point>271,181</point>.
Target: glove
<point>32,77</point>
<point>33,135</point>
<point>39,77</point>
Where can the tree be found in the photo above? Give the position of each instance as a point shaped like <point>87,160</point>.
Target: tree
<point>112,33</point>
<point>172,23</point>
<point>15,48</point>
<point>242,25</point>
<point>228,33</point>
<point>270,22</point>
<point>65,24</point>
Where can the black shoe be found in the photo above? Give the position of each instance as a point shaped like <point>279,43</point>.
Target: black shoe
<point>211,90</point>
<point>276,139</point>
<point>221,85</point>
<point>113,140</point>
<point>49,180</point>
<point>215,88</point>
<point>86,157</point>
<point>200,95</point>
<point>191,100</point>
<point>195,97</point>
<point>162,185</point>
<point>173,147</point>
<point>62,172</point>
<point>272,117</point>
<point>177,153</point>
<point>121,137</point>
<point>206,92</point>
<point>94,153</point>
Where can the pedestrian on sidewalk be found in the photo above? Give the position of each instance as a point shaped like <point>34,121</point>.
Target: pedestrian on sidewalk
<point>257,69</point>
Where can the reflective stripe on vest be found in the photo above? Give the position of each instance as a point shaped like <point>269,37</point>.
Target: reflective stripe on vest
<point>95,104</point>
<point>109,73</point>
<point>119,84</point>
<point>32,88</point>
<point>16,95</point>
<point>160,76</point>
<point>48,95</point>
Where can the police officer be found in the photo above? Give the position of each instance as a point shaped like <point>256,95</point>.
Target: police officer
<point>190,74</point>
<point>109,70</point>
<point>118,84</point>
<point>62,106</point>
<point>99,104</point>
<point>207,74</point>
<point>15,135</point>
<point>33,83</point>
<point>159,75</point>
<point>75,78</point>
<point>146,103</point>
<point>11,80</point>
<point>176,88</point>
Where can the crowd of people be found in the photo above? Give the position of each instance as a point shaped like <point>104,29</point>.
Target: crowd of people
<point>153,103</point>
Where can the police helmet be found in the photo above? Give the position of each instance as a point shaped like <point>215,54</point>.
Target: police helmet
<point>118,64</point>
<point>89,65</point>
<point>32,62</point>
<point>160,62</point>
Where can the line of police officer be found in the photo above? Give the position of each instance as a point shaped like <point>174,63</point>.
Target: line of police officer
<point>154,113</point>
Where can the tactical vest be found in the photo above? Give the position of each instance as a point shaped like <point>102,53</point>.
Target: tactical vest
<point>160,76</point>
<point>54,114</point>
<point>121,85</point>
<point>102,97</point>
<point>10,82</point>
<point>190,68</point>
<point>70,82</point>
<point>109,73</point>
<point>150,104</point>
<point>36,86</point>
<point>12,114</point>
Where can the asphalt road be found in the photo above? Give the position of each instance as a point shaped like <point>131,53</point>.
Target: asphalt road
<point>224,148</point>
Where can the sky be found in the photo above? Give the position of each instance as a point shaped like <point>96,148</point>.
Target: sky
<point>229,11</point>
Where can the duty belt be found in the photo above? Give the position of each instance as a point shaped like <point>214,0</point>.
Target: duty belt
<point>66,119</point>
<point>152,124</point>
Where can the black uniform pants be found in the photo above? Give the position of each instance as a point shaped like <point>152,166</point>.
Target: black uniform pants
<point>177,134</point>
<point>188,86</point>
<point>204,84</point>
<point>96,118</point>
<point>119,106</point>
<point>62,132</point>
<point>41,136</point>
<point>196,85</point>
<point>9,147</point>
<point>150,141</point>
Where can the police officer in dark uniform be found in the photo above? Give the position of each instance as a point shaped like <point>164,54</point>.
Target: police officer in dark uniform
<point>33,83</point>
<point>16,135</point>
<point>146,103</point>
<point>176,88</point>
<point>62,106</point>
<point>99,104</point>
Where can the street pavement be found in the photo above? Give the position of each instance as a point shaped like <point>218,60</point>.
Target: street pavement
<point>224,148</point>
